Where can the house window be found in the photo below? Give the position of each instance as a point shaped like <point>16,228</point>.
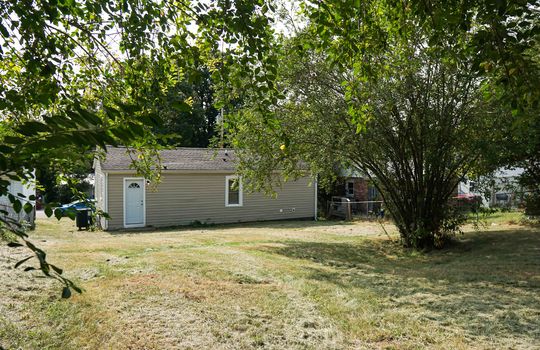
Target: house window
<point>501,197</point>
<point>233,191</point>
<point>372,193</point>
<point>349,189</point>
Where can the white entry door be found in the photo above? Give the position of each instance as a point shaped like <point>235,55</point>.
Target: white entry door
<point>134,202</point>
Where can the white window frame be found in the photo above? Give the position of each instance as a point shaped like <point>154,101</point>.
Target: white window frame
<point>240,191</point>
<point>126,180</point>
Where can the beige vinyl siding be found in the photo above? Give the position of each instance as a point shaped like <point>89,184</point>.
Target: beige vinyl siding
<point>115,198</point>
<point>182,199</point>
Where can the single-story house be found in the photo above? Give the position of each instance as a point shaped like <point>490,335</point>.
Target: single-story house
<point>197,185</point>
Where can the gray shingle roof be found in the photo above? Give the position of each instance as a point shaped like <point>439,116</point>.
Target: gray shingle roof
<point>118,158</point>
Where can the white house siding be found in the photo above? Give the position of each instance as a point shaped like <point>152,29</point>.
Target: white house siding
<point>100,190</point>
<point>182,199</point>
<point>27,189</point>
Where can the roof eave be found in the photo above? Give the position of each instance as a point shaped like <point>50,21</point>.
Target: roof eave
<point>172,171</point>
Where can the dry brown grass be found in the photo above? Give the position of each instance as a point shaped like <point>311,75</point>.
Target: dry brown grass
<point>285,285</point>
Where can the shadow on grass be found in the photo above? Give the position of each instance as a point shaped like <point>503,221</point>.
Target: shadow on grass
<point>487,283</point>
<point>271,224</point>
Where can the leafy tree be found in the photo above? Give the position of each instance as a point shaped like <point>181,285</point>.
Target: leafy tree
<point>196,127</point>
<point>406,91</point>
<point>413,131</point>
<point>52,182</point>
<point>185,104</point>
<point>70,78</point>
<point>500,38</point>
<point>402,90</point>
<point>531,183</point>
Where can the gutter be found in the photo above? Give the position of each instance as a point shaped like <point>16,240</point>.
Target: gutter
<point>180,171</point>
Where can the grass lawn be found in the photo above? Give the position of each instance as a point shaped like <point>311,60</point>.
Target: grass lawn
<point>284,285</point>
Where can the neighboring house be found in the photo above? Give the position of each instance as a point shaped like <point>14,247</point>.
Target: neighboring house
<point>506,191</point>
<point>502,189</point>
<point>15,188</point>
<point>358,189</point>
<point>356,186</point>
<point>364,197</point>
<point>464,187</point>
<point>197,186</point>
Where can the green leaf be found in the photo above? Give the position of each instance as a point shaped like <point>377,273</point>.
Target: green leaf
<point>58,213</point>
<point>28,208</point>
<point>77,289</point>
<point>136,129</point>
<point>181,106</point>
<point>32,128</point>
<point>48,211</point>
<point>56,269</point>
<point>91,118</point>
<point>13,140</point>
<point>120,133</point>
<point>3,162</point>
<point>13,177</point>
<point>17,206</point>
<point>4,31</point>
<point>5,149</point>
<point>66,293</point>
<point>19,263</point>
<point>111,112</point>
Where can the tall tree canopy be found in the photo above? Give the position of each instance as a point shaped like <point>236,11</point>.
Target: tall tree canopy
<point>408,91</point>
<point>500,38</point>
<point>413,131</point>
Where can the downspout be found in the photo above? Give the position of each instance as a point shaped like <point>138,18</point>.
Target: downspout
<point>315,200</point>
<point>106,200</point>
